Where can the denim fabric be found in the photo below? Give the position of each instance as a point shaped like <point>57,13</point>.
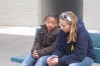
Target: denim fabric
<point>86,62</point>
<point>31,61</point>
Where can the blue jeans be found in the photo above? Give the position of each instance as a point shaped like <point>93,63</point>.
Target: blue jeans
<point>31,61</point>
<point>86,62</point>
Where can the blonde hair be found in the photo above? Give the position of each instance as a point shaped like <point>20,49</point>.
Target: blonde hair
<point>72,34</point>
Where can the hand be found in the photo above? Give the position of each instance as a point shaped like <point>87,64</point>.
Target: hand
<point>49,60</point>
<point>52,61</point>
<point>35,54</point>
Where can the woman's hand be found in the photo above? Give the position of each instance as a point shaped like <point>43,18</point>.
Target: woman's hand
<point>49,61</point>
<point>35,54</point>
<point>52,61</point>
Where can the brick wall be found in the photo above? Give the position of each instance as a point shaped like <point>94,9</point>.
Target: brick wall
<point>31,12</point>
<point>19,12</point>
<point>59,6</point>
<point>91,14</point>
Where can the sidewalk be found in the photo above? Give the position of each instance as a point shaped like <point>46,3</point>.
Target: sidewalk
<point>17,41</point>
<point>25,30</point>
<point>18,30</point>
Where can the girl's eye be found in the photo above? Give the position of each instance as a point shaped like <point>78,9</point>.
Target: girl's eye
<point>53,23</point>
<point>48,22</point>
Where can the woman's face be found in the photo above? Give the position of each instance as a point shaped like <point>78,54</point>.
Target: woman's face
<point>64,26</point>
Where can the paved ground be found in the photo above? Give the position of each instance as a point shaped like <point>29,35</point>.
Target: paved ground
<point>13,45</point>
<point>16,41</point>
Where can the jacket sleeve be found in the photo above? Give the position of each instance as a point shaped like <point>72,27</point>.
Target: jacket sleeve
<point>37,42</point>
<point>79,52</point>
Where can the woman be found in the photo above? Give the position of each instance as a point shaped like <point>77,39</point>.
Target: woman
<point>74,47</point>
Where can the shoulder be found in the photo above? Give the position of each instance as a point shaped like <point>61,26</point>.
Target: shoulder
<point>62,33</point>
<point>43,28</point>
<point>83,35</point>
<point>55,30</point>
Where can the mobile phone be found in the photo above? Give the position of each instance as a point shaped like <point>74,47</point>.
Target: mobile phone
<point>53,56</point>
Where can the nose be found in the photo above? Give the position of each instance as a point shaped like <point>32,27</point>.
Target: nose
<point>50,24</point>
<point>61,28</point>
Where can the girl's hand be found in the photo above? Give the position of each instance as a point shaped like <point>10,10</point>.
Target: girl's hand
<point>35,54</point>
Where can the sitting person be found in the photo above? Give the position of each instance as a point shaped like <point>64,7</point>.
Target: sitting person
<point>44,43</point>
<point>74,46</point>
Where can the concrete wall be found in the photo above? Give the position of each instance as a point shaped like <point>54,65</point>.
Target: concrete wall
<point>91,14</point>
<point>46,8</point>
<point>32,12</point>
<point>19,12</point>
<point>88,10</point>
<point>58,6</point>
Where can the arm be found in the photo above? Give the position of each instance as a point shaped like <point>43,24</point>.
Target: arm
<point>37,42</point>
<point>49,49</point>
<point>59,51</point>
<point>79,52</point>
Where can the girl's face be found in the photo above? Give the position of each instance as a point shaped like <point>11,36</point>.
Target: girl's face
<point>64,26</point>
<point>51,23</point>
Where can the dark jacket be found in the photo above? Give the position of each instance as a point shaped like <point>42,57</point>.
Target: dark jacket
<point>83,46</point>
<point>45,42</point>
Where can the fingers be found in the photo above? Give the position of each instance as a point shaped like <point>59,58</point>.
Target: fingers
<point>52,61</point>
<point>35,54</point>
<point>49,61</point>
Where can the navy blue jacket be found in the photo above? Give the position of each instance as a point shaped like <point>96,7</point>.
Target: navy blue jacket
<point>83,46</point>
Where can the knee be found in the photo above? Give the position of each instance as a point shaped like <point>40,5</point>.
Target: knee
<point>75,64</point>
<point>28,60</point>
<point>43,58</point>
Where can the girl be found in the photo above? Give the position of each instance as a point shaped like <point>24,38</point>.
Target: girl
<point>74,47</point>
<point>44,43</point>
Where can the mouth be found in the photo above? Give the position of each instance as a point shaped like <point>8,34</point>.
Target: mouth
<point>49,28</point>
